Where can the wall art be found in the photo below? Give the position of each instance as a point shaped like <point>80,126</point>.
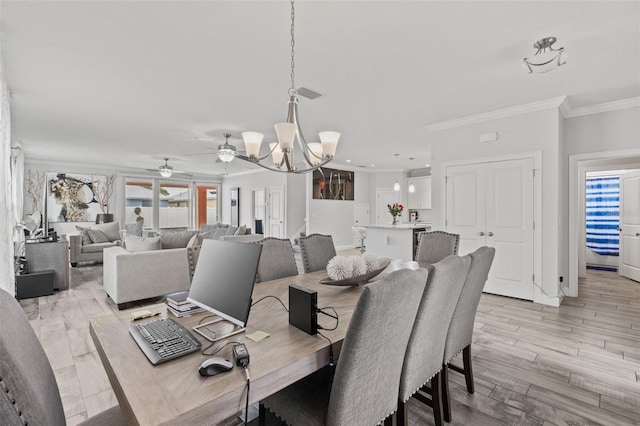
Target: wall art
<point>332,184</point>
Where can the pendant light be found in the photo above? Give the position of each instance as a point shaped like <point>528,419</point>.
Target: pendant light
<point>396,186</point>
<point>412,187</point>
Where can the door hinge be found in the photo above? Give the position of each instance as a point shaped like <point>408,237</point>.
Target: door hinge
<point>534,225</point>
<point>533,278</point>
<point>534,172</point>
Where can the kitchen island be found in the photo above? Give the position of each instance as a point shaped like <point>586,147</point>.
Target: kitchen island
<point>394,241</point>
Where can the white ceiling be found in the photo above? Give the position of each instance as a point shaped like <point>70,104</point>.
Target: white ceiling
<point>124,84</point>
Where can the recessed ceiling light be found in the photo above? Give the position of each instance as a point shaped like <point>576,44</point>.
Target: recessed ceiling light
<point>427,165</point>
<point>348,161</point>
<point>373,165</point>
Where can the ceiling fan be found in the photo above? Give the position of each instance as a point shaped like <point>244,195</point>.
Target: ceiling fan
<point>166,170</point>
<point>225,152</point>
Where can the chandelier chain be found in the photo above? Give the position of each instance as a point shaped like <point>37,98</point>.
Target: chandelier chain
<point>293,45</point>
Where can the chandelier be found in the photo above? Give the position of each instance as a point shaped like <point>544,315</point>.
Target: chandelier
<point>315,154</point>
<point>546,57</point>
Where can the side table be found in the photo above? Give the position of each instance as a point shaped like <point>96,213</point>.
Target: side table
<point>34,284</point>
<point>50,255</point>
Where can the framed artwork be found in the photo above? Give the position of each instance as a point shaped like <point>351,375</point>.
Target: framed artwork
<point>332,184</point>
<point>74,197</point>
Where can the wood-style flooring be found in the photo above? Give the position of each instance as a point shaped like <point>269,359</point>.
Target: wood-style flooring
<point>578,364</point>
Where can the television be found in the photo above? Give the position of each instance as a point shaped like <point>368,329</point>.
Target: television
<point>223,282</point>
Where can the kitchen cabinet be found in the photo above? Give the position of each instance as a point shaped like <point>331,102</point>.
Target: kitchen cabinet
<point>421,197</point>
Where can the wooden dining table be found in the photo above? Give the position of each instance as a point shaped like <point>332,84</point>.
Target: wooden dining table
<point>175,393</point>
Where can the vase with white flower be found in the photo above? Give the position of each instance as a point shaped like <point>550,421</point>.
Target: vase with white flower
<point>395,210</point>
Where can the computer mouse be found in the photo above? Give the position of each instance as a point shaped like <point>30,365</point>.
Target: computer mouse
<point>215,365</point>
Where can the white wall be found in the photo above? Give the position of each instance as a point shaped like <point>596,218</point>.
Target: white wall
<point>335,217</point>
<point>386,180</point>
<point>607,135</point>
<point>247,182</point>
<point>296,205</point>
<point>534,131</point>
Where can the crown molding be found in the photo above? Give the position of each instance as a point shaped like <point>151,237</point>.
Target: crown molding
<point>501,113</point>
<point>605,107</point>
<point>561,102</point>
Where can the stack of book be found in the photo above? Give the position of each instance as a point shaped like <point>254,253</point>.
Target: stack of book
<point>179,306</point>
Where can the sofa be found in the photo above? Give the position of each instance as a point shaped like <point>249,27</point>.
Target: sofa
<point>152,267</point>
<point>90,242</point>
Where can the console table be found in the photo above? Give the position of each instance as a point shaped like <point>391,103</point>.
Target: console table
<point>50,255</point>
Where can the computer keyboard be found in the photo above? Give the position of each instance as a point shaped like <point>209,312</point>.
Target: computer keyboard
<point>163,339</point>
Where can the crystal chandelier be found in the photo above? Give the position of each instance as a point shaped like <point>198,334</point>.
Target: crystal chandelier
<point>315,154</point>
<point>546,57</point>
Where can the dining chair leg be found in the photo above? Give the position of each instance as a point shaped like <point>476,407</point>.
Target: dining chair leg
<point>262,414</point>
<point>468,369</point>
<point>388,421</point>
<point>436,400</point>
<point>446,407</point>
<point>401,414</point>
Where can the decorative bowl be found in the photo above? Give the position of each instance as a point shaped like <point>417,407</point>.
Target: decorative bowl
<point>359,279</point>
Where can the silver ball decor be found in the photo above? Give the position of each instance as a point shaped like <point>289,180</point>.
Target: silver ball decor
<point>359,266</point>
<point>340,267</point>
<point>371,262</point>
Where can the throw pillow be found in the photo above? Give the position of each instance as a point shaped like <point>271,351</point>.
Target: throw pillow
<point>242,230</point>
<point>219,232</point>
<point>209,227</point>
<point>231,230</point>
<point>110,230</point>
<point>134,228</point>
<point>135,244</point>
<point>97,236</point>
<point>176,239</point>
<point>86,239</point>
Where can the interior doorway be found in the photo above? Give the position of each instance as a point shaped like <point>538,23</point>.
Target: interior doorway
<point>579,165</point>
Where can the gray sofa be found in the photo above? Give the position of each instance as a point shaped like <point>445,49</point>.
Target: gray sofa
<point>90,242</point>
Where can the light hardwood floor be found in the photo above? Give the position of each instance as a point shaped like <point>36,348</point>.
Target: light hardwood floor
<point>574,365</point>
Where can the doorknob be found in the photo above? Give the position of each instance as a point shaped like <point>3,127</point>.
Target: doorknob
<point>481,233</point>
<point>618,229</point>
<point>637,234</point>
<point>490,234</point>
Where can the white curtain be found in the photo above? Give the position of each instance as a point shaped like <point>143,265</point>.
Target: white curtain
<point>7,215</point>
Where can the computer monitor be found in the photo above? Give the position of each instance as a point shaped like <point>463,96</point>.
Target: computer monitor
<point>223,282</point>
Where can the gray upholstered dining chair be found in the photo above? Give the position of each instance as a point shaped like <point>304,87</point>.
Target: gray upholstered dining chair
<point>276,260</point>
<point>425,350</point>
<point>29,392</point>
<point>364,389</point>
<point>317,250</point>
<point>436,245</point>
<point>461,327</point>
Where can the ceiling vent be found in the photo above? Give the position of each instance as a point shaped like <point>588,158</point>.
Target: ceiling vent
<point>307,93</point>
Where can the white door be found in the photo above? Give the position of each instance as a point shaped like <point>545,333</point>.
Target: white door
<point>492,204</point>
<point>384,197</point>
<point>275,209</point>
<point>630,225</point>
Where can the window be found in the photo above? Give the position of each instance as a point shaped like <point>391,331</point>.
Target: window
<point>139,202</point>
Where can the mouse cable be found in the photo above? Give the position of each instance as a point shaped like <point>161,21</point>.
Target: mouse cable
<point>217,350</point>
<point>246,404</point>
<point>266,297</point>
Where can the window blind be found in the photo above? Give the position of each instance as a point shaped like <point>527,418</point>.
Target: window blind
<point>603,215</point>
